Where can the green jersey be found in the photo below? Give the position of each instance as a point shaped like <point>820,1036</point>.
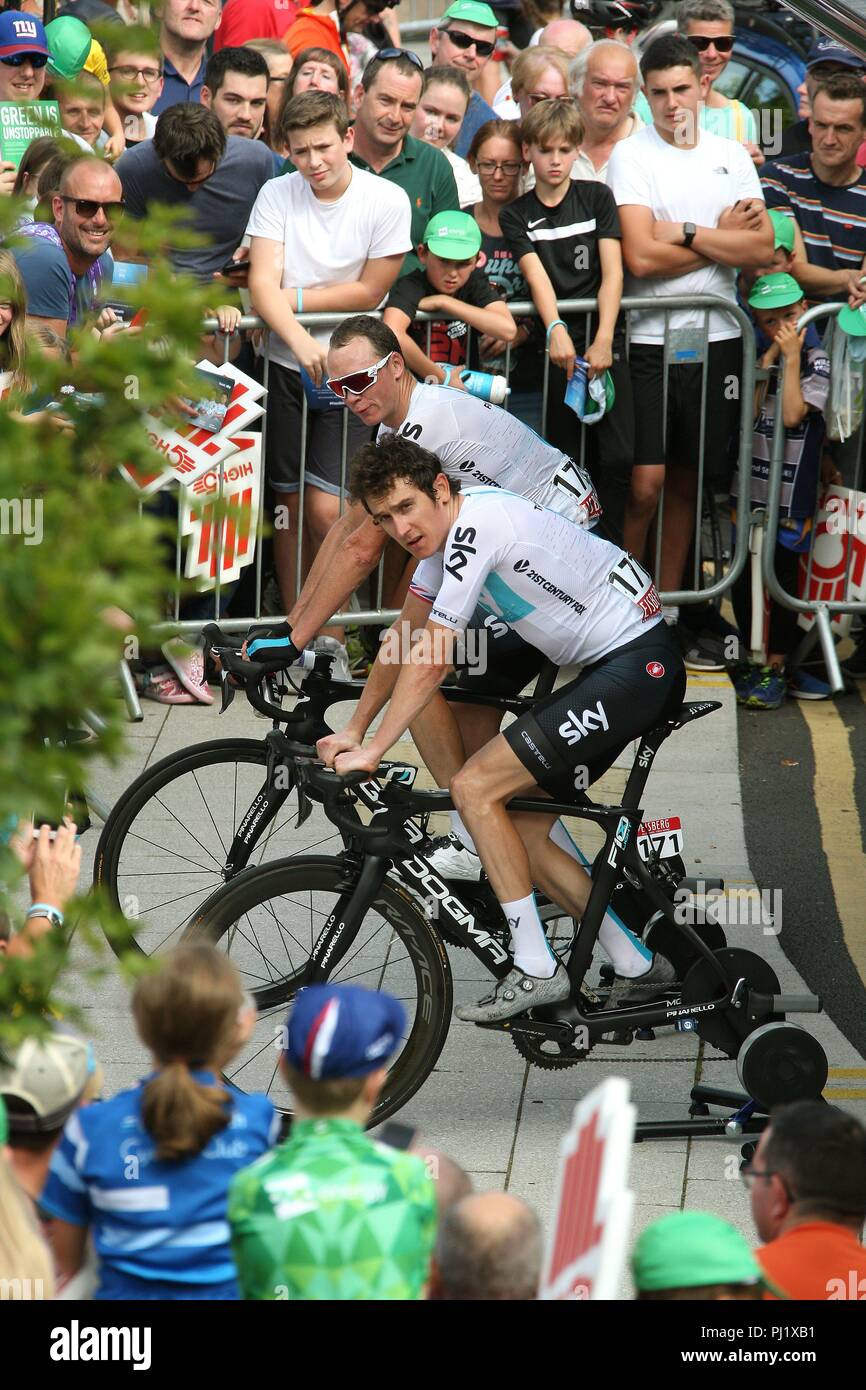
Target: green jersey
<point>331,1214</point>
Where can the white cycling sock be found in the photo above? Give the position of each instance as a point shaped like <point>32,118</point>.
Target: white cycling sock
<point>628,956</point>
<point>528,942</point>
<point>459,829</point>
<point>671,613</point>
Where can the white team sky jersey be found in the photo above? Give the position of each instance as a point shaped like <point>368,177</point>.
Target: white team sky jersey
<point>479,443</point>
<point>566,592</point>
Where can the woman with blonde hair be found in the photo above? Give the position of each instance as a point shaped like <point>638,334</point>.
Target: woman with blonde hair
<point>148,1171</point>
<point>539,74</point>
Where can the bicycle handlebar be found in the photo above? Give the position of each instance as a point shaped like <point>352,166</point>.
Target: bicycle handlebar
<point>250,675</point>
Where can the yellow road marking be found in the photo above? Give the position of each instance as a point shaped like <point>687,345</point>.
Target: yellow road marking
<point>840,821</point>
<point>832,1094</point>
<point>846,1071</point>
<point>709,682</point>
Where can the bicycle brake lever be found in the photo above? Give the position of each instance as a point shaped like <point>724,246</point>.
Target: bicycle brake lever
<point>228,690</point>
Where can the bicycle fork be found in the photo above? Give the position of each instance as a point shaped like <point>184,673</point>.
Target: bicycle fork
<point>340,930</point>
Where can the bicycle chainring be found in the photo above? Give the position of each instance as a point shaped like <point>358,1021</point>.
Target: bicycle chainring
<point>547,1053</point>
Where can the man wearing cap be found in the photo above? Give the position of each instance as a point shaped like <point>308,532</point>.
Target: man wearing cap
<point>331,1214</point>
<point>824,58</point>
<point>807,1183</point>
<point>41,1083</point>
<point>825,191</point>
<point>23,56</point>
<point>465,38</point>
<point>695,1255</point>
<point>385,103</point>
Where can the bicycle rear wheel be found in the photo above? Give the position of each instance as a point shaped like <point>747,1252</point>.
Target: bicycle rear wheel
<point>267,922</point>
<point>163,848</point>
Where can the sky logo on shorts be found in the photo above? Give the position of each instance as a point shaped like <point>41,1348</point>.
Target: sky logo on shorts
<point>655,668</point>
<point>575,727</point>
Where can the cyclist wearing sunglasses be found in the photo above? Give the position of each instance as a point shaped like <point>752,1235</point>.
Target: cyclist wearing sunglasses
<point>465,38</point>
<point>63,265</point>
<point>709,27</point>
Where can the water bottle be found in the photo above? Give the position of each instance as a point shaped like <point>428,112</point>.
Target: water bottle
<point>486,386</point>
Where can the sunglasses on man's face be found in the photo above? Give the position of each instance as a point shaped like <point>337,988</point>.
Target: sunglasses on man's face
<point>483,47</point>
<point>84,207</point>
<point>17,60</point>
<point>723,43</point>
<point>357,382</point>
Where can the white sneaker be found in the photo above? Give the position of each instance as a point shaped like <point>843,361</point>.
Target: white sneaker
<point>340,669</point>
<point>451,859</point>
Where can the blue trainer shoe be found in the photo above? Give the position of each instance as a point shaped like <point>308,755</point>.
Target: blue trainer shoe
<point>804,686</point>
<point>745,679</point>
<point>769,689</point>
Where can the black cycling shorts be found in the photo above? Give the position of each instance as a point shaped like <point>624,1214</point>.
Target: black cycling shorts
<point>574,735</point>
<point>497,661</point>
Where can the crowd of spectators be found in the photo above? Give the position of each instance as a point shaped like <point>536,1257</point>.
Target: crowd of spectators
<point>310,149</point>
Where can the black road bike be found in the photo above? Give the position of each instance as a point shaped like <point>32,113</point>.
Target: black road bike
<point>377,914</point>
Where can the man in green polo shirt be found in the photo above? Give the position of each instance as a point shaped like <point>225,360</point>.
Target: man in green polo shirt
<point>385,102</point>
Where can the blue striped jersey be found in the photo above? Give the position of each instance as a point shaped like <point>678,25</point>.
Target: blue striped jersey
<point>153,1219</point>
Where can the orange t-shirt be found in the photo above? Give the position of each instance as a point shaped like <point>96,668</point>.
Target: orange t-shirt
<point>817,1261</point>
<point>312,30</point>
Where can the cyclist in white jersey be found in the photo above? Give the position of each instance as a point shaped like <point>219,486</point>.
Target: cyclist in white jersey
<point>577,598</point>
<point>477,443</point>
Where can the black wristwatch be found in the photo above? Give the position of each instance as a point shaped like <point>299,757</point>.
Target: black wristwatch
<point>690,231</point>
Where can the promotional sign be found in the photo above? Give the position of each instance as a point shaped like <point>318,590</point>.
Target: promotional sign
<point>233,540</point>
<point>187,454</point>
<point>21,124</point>
<point>838,557</point>
<point>588,1239</point>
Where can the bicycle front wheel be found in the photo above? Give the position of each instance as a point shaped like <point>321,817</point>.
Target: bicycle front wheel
<point>163,848</point>
<point>268,920</point>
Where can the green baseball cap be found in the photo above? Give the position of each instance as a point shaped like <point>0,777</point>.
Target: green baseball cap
<point>69,43</point>
<point>471,12</point>
<point>783,230</point>
<point>775,291</point>
<point>455,236</point>
<point>692,1250</point>
<point>853,321</point>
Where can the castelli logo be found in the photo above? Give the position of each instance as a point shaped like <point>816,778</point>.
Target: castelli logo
<point>655,668</point>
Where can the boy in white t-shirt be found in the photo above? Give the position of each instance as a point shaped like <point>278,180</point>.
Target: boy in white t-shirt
<point>691,211</point>
<point>327,238</point>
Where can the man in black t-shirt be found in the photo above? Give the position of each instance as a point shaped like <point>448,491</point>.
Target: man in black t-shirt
<point>565,234</point>
<point>448,282</point>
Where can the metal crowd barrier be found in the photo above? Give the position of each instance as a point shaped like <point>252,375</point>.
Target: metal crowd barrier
<point>697,351</point>
<point>823,610</point>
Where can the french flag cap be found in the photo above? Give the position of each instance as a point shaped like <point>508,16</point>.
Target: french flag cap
<point>343,1031</point>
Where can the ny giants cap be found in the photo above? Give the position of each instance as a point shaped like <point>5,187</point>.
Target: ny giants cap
<point>343,1031</point>
<point>471,12</point>
<point>21,33</point>
<point>455,236</point>
<point>775,291</point>
<point>692,1250</point>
